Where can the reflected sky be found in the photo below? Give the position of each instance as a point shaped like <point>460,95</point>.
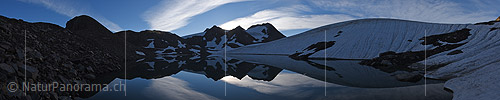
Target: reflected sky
<point>287,85</point>
<point>173,88</point>
<point>257,77</point>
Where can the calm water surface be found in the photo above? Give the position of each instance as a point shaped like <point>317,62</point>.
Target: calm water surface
<point>252,77</point>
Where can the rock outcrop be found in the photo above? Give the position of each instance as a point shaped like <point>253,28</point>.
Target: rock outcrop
<point>85,50</point>
<point>48,53</point>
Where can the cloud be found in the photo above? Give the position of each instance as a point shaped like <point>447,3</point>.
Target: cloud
<point>59,6</point>
<point>172,88</point>
<point>173,14</point>
<point>71,9</point>
<point>332,11</point>
<point>436,11</point>
<point>287,18</point>
<point>108,24</point>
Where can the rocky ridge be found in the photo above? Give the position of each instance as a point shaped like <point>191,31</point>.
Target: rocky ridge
<point>86,52</point>
<point>52,54</point>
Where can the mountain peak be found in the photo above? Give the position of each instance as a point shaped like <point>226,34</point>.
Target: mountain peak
<point>239,28</point>
<point>215,27</point>
<point>265,30</point>
<point>85,22</point>
<point>263,24</point>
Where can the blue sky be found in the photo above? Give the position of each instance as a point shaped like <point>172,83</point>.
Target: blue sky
<point>184,17</point>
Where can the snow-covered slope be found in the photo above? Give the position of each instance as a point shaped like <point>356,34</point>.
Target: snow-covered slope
<point>355,75</point>
<point>264,32</point>
<point>357,39</point>
<point>157,44</point>
<point>214,39</point>
<point>464,53</point>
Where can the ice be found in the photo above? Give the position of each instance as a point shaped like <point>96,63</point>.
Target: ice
<point>180,44</point>
<point>151,45</point>
<point>256,32</point>
<point>140,53</point>
<point>473,74</point>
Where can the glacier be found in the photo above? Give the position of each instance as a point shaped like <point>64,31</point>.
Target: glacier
<point>471,69</point>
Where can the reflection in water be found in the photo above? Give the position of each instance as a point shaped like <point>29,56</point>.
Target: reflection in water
<point>297,86</point>
<point>346,72</point>
<point>211,67</point>
<point>172,88</point>
<point>264,76</point>
<point>288,85</point>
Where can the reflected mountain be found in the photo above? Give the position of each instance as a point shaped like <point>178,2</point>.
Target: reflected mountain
<point>347,73</point>
<point>342,72</point>
<point>266,68</point>
<point>257,74</point>
<point>212,67</point>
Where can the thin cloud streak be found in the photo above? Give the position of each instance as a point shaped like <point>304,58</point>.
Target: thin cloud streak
<point>71,9</point>
<point>287,18</point>
<point>171,15</point>
<point>435,11</point>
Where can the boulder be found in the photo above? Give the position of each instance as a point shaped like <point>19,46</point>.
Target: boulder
<point>409,76</point>
<point>90,76</point>
<point>30,71</point>
<point>7,68</point>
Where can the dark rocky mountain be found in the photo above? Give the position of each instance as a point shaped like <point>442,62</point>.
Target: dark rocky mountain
<point>86,52</point>
<point>86,27</point>
<point>157,44</point>
<point>151,43</point>
<point>213,38</point>
<point>238,37</point>
<point>154,44</point>
<point>53,54</point>
<point>211,67</point>
<point>265,32</point>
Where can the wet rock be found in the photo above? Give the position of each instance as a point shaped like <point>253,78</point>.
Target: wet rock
<point>494,28</point>
<point>80,67</point>
<point>66,65</point>
<point>49,53</point>
<point>64,98</point>
<point>90,69</point>
<point>417,66</point>
<point>36,54</point>
<point>28,98</point>
<point>90,76</point>
<point>311,49</point>
<point>409,77</point>
<point>16,66</point>
<point>452,37</point>
<point>54,96</point>
<point>386,62</point>
<point>2,51</point>
<point>388,53</point>
<point>401,61</point>
<point>64,80</point>
<point>73,72</point>
<point>30,71</point>
<point>20,53</point>
<point>3,77</point>
<point>486,23</point>
<point>4,46</point>
<point>7,68</point>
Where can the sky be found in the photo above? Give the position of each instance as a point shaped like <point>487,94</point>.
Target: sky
<point>184,17</point>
